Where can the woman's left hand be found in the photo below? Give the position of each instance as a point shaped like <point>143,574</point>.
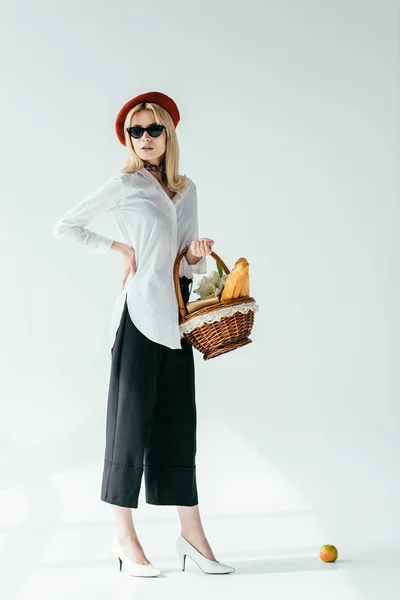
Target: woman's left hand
<point>197,249</point>
<point>201,247</point>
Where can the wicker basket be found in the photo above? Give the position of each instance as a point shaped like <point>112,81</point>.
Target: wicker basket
<point>218,328</point>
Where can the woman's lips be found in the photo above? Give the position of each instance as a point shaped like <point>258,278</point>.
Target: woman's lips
<point>144,149</point>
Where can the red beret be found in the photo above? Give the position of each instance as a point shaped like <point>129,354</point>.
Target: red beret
<point>156,97</point>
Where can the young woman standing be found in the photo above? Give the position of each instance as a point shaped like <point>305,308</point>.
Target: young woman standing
<point>151,409</point>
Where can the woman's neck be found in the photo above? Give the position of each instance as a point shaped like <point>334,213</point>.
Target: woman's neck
<point>159,173</point>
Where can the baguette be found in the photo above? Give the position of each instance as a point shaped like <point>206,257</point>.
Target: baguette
<point>245,290</point>
<point>234,280</point>
<point>241,284</point>
<point>230,283</point>
<point>245,287</point>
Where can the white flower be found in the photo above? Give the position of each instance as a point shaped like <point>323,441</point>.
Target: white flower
<point>210,290</point>
<point>214,277</point>
<point>211,285</point>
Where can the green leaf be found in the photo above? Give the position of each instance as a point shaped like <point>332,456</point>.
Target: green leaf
<point>220,271</point>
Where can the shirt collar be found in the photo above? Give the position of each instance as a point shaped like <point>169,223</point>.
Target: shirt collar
<point>150,177</point>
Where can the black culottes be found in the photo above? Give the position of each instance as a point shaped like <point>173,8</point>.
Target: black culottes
<point>151,420</point>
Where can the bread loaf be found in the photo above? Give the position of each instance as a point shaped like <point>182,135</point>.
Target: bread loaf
<point>245,287</point>
<point>230,283</point>
<point>245,290</point>
<point>235,279</point>
<point>242,282</point>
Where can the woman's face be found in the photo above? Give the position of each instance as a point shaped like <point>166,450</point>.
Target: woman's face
<point>157,144</point>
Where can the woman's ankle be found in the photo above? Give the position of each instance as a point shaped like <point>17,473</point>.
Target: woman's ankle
<point>127,537</point>
<point>193,534</point>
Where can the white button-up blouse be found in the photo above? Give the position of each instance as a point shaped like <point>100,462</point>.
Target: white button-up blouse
<point>157,228</point>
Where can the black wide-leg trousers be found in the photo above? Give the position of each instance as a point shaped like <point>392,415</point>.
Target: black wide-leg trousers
<point>151,420</point>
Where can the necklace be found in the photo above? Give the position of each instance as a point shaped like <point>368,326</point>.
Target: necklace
<point>150,167</point>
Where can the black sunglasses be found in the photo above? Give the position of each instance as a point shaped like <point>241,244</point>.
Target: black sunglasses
<point>154,130</point>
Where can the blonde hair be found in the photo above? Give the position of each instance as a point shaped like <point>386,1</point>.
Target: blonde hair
<point>171,156</point>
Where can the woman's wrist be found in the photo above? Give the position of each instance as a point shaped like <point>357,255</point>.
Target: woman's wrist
<point>121,247</point>
<point>192,260</point>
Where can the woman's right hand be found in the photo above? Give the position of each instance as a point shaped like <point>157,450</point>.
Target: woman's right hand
<point>129,264</point>
<point>129,259</point>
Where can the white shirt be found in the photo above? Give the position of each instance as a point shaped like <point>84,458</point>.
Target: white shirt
<point>157,228</point>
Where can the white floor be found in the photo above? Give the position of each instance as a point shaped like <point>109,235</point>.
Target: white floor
<point>72,560</point>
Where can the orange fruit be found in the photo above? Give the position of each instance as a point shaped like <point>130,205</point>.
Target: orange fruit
<point>328,553</point>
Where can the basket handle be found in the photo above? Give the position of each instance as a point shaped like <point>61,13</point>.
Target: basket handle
<point>182,307</point>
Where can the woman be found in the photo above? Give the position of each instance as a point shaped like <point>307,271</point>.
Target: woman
<point>151,410</point>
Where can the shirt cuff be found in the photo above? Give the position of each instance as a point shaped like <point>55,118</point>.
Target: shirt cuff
<point>200,268</point>
<point>102,246</point>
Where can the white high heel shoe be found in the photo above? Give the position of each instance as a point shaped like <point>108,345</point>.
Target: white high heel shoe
<point>184,549</point>
<point>131,567</point>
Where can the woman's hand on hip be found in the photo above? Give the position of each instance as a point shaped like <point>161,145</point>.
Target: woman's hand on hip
<point>129,260</point>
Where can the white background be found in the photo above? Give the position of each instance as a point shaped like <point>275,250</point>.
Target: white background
<point>290,130</point>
